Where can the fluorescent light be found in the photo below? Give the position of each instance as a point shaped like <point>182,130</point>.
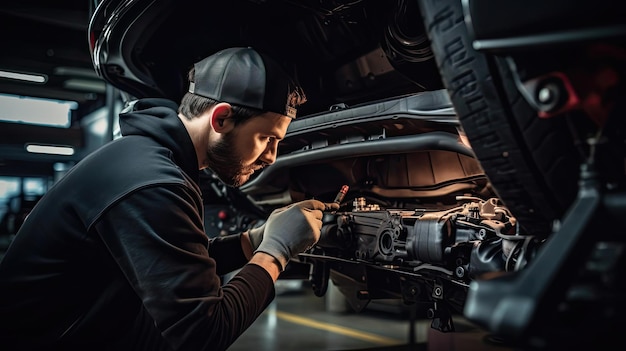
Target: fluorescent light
<point>30,110</point>
<point>33,78</point>
<point>50,149</point>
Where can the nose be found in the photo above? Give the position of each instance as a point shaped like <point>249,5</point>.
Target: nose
<point>269,154</point>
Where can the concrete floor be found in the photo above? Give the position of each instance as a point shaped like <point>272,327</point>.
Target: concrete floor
<point>298,320</point>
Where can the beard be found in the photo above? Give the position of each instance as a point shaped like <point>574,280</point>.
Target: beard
<point>227,164</point>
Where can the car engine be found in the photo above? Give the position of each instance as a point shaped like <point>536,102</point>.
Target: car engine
<point>422,255</point>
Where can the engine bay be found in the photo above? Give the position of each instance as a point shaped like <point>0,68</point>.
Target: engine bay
<point>420,255</point>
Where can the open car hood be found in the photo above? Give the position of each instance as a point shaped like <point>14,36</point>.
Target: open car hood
<point>341,54</point>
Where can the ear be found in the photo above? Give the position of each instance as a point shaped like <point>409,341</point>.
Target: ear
<point>220,118</point>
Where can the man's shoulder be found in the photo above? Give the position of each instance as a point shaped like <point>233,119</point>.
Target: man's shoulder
<point>137,158</point>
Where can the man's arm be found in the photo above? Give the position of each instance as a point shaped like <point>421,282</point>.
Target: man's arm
<point>267,262</point>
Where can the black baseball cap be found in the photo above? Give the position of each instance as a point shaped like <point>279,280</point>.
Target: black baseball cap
<point>242,76</point>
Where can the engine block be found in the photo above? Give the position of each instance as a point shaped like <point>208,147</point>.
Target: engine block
<point>410,238</point>
<point>418,255</point>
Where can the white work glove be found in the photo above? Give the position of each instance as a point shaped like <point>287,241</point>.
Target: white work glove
<point>291,230</point>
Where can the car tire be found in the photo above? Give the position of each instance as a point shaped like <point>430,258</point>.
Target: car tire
<point>530,162</point>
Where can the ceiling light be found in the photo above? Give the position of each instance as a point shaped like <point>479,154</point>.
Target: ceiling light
<point>50,149</point>
<point>27,77</point>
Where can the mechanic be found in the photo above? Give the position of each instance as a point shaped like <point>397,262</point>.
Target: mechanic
<point>115,257</point>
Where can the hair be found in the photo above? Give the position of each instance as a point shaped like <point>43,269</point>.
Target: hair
<point>193,105</point>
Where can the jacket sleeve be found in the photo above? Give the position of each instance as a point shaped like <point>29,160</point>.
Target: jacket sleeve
<point>155,236</point>
<point>227,252</point>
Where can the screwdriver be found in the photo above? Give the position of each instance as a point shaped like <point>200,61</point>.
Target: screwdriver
<point>341,194</point>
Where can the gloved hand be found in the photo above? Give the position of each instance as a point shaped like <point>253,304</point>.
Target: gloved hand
<point>256,236</point>
<point>291,230</point>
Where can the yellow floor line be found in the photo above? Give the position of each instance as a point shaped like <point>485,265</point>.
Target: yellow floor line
<point>357,334</point>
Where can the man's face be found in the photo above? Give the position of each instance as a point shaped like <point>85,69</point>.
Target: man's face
<point>247,148</point>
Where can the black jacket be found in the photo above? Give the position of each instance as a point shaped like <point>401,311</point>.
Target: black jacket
<point>114,256</point>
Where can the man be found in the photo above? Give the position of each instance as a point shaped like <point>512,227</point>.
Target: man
<point>114,256</point>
